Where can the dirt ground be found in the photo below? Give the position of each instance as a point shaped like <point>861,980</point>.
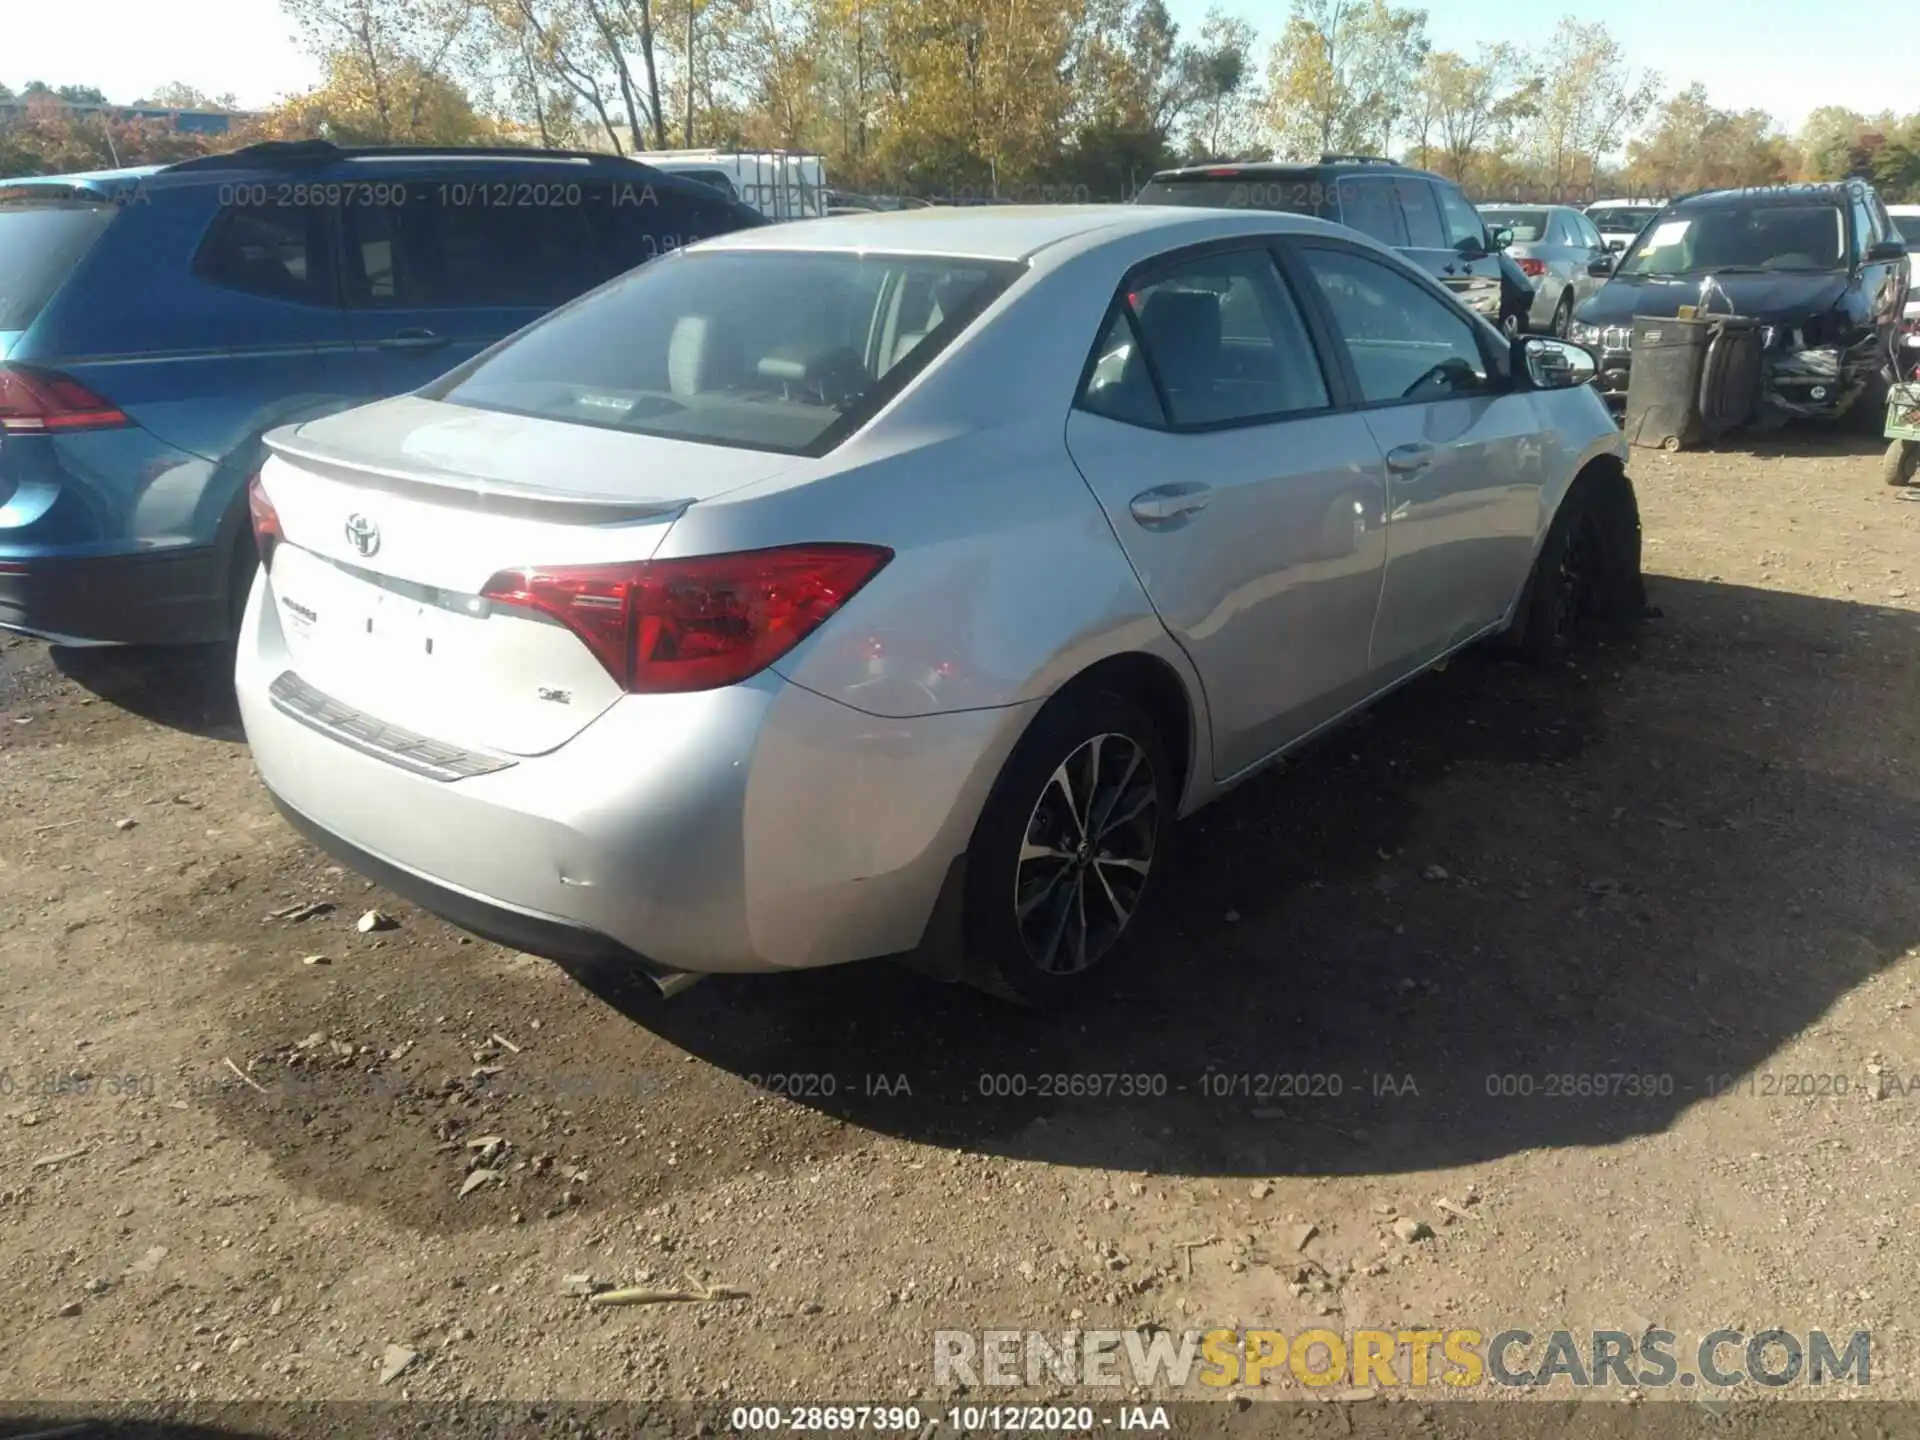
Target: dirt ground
<point>226,1173</point>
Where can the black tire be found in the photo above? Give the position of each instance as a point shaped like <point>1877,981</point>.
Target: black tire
<point>1074,895</point>
<point>1587,580</point>
<point>1901,462</point>
<point>1563,315</point>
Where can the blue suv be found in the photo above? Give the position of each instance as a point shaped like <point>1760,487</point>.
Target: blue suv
<point>156,323</point>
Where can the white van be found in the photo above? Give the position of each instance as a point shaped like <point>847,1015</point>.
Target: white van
<point>780,184</point>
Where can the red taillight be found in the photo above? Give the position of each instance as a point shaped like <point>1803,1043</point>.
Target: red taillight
<point>665,626</point>
<point>266,520</point>
<point>38,402</point>
<point>1533,269</point>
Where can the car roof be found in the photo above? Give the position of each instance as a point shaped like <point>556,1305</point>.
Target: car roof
<point>89,179</point>
<point>1626,204</point>
<point>1007,232</point>
<point>1830,190</point>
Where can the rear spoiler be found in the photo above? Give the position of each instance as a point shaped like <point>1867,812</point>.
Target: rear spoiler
<point>489,496</point>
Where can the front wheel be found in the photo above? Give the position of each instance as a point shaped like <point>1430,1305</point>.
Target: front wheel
<point>1901,462</point>
<point>1587,577</point>
<point>1066,849</point>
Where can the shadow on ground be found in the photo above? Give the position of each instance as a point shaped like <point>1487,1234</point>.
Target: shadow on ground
<point>184,687</point>
<point>1650,871</point>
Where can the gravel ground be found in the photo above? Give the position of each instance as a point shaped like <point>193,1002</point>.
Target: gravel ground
<point>239,1141</point>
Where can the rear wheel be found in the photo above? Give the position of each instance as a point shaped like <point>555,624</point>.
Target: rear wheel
<point>1066,849</point>
<point>1563,316</point>
<point>1587,579</point>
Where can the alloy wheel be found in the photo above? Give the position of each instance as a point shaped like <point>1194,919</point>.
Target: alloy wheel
<point>1576,593</point>
<point>1086,853</point>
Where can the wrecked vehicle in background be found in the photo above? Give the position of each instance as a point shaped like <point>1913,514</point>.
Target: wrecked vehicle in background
<point>1821,266</point>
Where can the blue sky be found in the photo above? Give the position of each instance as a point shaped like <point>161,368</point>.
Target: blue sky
<point>1786,56</point>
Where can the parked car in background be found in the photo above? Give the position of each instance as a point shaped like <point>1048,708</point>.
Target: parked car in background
<point>1906,219</point>
<point>1425,217</point>
<point>1048,523</point>
<point>1823,265</point>
<point>1619,221</point>
<point>156,323</point>
<point>1554,246</point>
<point>780,184</point>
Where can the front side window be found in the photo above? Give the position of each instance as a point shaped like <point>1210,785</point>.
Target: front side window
<point>1421,214</point>
<point>763,349</point>
<point>1406,343</point>
<point>1721,238</point>
<point>1226,342</point>
<point>273,250</point>
<point>1465,228</point>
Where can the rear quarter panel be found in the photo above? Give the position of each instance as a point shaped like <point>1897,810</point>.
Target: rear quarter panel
<point>1007,580</point>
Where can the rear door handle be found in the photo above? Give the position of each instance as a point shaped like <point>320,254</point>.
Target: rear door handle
<point>413,340</point>
<point>1169,502</point>
<point>1410,459</point>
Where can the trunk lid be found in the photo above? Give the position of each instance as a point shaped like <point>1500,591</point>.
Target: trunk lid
<point>397,515</point>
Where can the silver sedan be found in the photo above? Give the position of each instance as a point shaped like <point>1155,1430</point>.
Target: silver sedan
<point>890,584</point>
<point>1554,245</point>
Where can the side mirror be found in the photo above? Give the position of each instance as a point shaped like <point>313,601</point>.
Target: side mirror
<point>1551,364</point>
<point>1601,266</point>
<point>1502,236</point>
<point>1471,248</point>
<point>1886,250</point>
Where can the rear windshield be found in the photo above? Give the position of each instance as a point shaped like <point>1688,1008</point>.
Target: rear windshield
<point>788,351</point>
<point>40,244</point>
<point>1527,225</point>
<point>1299,194</point>
<point>1622,217</point>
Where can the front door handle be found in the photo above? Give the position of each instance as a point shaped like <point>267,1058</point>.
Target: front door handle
<point>1169,502</point>
<point>1410,459</point>
<point>414,340</point>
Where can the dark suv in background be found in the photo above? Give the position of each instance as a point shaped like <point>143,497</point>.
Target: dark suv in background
<point>1424,216</point>
<point>156,323</point>
<point>1821,265</point>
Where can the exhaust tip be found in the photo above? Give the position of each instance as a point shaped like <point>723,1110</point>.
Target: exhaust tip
<point>670,982</point>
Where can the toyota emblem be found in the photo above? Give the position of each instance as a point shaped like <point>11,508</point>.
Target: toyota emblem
<point>363,534</point>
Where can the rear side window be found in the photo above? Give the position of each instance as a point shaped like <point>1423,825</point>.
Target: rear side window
<point>278,251</point>
<point>787,351</point>
<point>1223,338</point>
<point>450,247</point>
<point>1421,214</point>
<point>644,222</point>
<point>40,246</point>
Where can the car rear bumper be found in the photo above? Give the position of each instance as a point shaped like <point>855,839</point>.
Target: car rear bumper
<point>175,596</point>
<point>756,828</point>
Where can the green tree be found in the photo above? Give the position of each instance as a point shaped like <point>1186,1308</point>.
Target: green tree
<point>1590,101</point>
<point>1466,109</point>
<point>1226,120</point>
<point>1691,145</point>
<point>1342,75</point>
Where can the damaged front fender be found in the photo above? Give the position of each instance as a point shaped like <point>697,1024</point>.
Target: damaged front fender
<point>1802,378</point>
